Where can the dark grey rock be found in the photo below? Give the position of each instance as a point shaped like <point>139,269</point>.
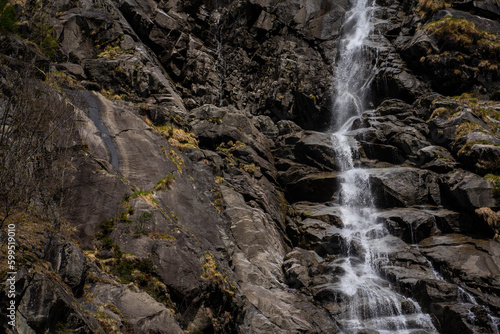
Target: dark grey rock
<point>468,191</point>
<point>404,187</point>
<point>137,310</point>
<point>69,262</point>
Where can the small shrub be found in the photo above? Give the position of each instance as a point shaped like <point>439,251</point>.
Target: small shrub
<point>495,180</point>
<point>427,7</point>
<point>8,18</point>
<point>462,35</point>
<point>177,137</point>
<point>215,120</point>
<point>146,266</point>
<point>106,243</point>
<point>107,226</point>
<point>466,128</point>
<point>112,52</point>
<point>117,253</point>
<point>443,112</point>
<point>165,182</point>
<point>124,271</point>
<point>251,168</point>
<point>213,274</point>
<point>43,35</point>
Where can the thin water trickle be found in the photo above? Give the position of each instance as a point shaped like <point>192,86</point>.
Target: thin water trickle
<point>93,108</point>
<point>220,63</point>
<point>352,71</point>
<point>368,301</point>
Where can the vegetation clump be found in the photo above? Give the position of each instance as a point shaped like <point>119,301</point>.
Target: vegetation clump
<point>466,128</point>
<point>59,80</point>
<point>213,274</point>
<point>228,148</point>
<point>8,18</point>
<point>177,137</point>
<point>426,8</point>
<point>43,35</point>
<point>112,52</point>
<point>492,218</point>
<point>488,111</point>
<point>495,180</point>
<point>447,112</point>
<point>456,34</point>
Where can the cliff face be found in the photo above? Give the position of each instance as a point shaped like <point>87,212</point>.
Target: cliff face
<point>181,181</point>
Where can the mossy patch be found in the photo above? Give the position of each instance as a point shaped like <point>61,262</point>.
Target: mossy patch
<point>218,202</point>
<point>466,128</point>
<point>177,137</point>
<point>59,80</point>
<point>250,168</point>
<point>212,273</point>
<point>165,183</point>
<point>111,95</point>
<point>462,35</point>
<point>488,111</point>
<point>8,20</point>
<point>426,8</point>
<point>447,112</point>
<point>495,180</point>
<point>230,146</point>
<point>227,149</point>
<point>108,323</point>
<point>113,51</point>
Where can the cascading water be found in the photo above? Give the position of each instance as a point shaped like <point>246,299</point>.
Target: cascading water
<point>351,80</point>
<point>220,63</point>
<point>367,301</point>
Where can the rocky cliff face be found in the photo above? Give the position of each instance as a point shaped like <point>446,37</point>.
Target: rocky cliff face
<point>191,188</point>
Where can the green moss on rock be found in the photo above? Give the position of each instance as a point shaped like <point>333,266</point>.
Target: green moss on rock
<point>462,35</point>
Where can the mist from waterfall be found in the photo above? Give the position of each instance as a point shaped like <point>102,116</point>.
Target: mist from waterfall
<point>368,302</point>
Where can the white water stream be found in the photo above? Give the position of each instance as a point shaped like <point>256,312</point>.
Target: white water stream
<point>368,302</point>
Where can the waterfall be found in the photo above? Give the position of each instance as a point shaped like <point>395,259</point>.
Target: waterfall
<point>351,80</point>
<point>367,301</point>
<point>220,63</point>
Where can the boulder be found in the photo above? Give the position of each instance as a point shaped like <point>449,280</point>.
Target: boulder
<point>324,212</point>
<point>465,190</point>
<point>136,310</point>
<point>317,149</point>
<point>69,262</point>
<point>461,259</point>
<point>214,126</point>
<point>45,306</point>
<point>482,158</point>
<point>434,291</point>
<point>297,266</point>
<point>381,152</point>
<point>410,225</point>
<point>302,185</point>
<point>321,237</point>
<point>408,143</point>
<point>403,187</point>
<point>396,107</point>
<point>435,158</point>
<point>418,46</point>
